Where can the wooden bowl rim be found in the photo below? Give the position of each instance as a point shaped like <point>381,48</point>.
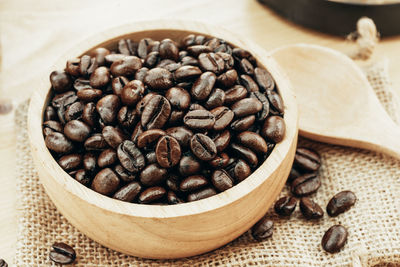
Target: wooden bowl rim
<point>218,201</point>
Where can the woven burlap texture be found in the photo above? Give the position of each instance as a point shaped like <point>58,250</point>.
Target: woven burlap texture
<point>373,223</point>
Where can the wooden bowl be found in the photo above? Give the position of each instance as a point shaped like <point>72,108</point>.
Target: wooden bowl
<point>162,232</point>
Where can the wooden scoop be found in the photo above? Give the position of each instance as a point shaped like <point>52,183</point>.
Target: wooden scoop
<point>337,104</point>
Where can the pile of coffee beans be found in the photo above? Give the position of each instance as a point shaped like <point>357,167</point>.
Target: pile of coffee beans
<point>163,122</point>
<point>304,181</point>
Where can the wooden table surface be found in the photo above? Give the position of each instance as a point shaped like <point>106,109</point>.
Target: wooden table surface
<point>33,33</point>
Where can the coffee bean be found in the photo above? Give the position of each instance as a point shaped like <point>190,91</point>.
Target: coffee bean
<point>274,129</point>
<point>188,165</point>
<point>196,106</point>
<point>263,229</point>
<point>126,47</point>
<point>211,62</point>
<point>123,174</point>
<point>82,84</point>
<point>245,153</point>
<point>181,134</point>
<point>141,73</point>
<point>249,83</point>
<point>95,142</point>
<point>246,106</point>
<point>221,180</point>
<point>196,50</point>
<point>307,159</point>
<point>201,194</point>
<point>173,182</point>
<point>105,182</point>
<point>223,117</point>
<point>246,67</point>
<point>113,136</point>
<point>243,124</point>
<point>132,92</point>
<point>108,107</point>
<point>107,158</point>
<point>306,184</point>
<point>58,143</point>
<point>203,147</point>
<point>99,54</point>
<point>127,117</point>
<point>238,169</point>
<point>100,77</point>
<point>220,161</point>
<point>129,192</point>
<point>89,95</point>
<point>151,157</point>
<point>276,103</point>
<point>264,79</point>
<point>87,65</point>
<point>216,99</point>
<point>74,111</point>
<point>152,175</point>
<point>178,97</point>
<point>228,79</point>
<point>62,253</point>
<point>149,137</point>
<point>70,162</point>
<point>334,239</point>
<point>172,198</point>
<point>168,49</point>
<point>76,130</point>
<point>60,81</point>
<point>118,84</point>
<point>64,99</point>
<point>89,162</point>
<point>158,79</point>
<point>152,194</point>
<point>83,177</point>
<point>199,119</point>
<point>111,58</point>
<point>340,203</point>
<point>50,114</point>
<point>222,140</point>
<point>127,66</point>
<point>52,126</point>
<point>137,131</point>
<point>89,114</point>
<point>143,47</point>
<point>263,114</point>
<point>156,112</point>
<point>310,209</point>
<point>130,157</point>
<point>143,102</point>
<point>285,206</point>
<point>241,53</point>
<point>72,67</point>
<point>253,141</point>
<point>193,183</point>
<point>204,84</point>
<point>187,71</point>
<point>176,117</point>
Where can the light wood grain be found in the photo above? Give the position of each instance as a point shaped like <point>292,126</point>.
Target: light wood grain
<point>165,231</point>
<point>51,27</point>
<point>336,102</point>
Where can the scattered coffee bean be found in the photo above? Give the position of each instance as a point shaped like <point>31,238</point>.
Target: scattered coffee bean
<point>310,209</point>
<point>307,159</point>
<point>340,202</point>
<point>334,239</point>
<point>306,184</point>
<point>263,229</point>
<point>285,206</point>
<point>62,253</point>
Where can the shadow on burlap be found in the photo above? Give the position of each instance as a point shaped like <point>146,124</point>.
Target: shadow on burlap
<point>373,223</point>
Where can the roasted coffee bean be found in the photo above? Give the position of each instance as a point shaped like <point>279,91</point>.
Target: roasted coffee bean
<point>123,174</point>
<point>176,117</point>
<point>274,129</point>
<point>241,53</point>
<point>105,182</point>
<point>158,79</point>
<point>178,97</point>
<point>50,114</point>
<point>245,153</point>
<point>152,59</point>
<point>199,119</point>
<point>132,92</point>
<point>89,114</point>
<point>141,73</point>
<point>246,106</point>
<point>156,113</point>
<point>60,81</point>
<point>89,95</point>
<point>193,183</point>
<point>143,47</point>
<point>221,180</point>
<point>168,152</point>
<point>182,54</point>
<point>99,54</point>
<point>64,99</point>
<point>173,182</point>
<point>172,198</point>
<point>143,102</point>
<point>246,67</point>
<point>223,117</point>
<point>263,229</point>
<point>294,173</point>
<point>130,157</point>
<point>82,84</point>
<point>127,117</point>
<point>213,43</point>
<point>83,177</point>
<point>189,165</point>
<point>228,60</point>
<point>111,58</point>
<point>223,48</point>
<point>196,50</point>
<point>108,107</point>
<point>340,203</point>
<point>307,159</point>
<point>126,66</point>
<point>62,253</point>
<point>89,162</point>
<point>153,46</point>
<point>72,67</point>
<point>118,84</point>
<point>127,47</point>
<point>196,106</point>
<point>181,134</point>
<point>129,192</point>
<point>306,184</point>
<point>203,147</point>
<point>222,140</point>
<point>149,137</point>
<point>201,194</point>
<point>168,49</point>
<point>285,206</point>
<point>58,143</point>
<point>165,63</point>
<point>192,39</point>
<point>107,158</point>
<point>152,194</point>
<point>238,169</point>
<point>334,239</point>
<point>211,62</point>
<point>264,79</point>
<point>310,209</point>
<point>253,141</point>
<point>136,132</point>
<point>95,142</point>
<point>70,162</point>
<point>188,61</point>
<point>276,102</point>
<point>216,99</point>
<point>220,161</point>
<point>228,79</point>
<point>153,174</point>
<point>263,114</point>
<point>87,65</point>
<point>74,111</point>
<point>204,84</point>
<point>151,157</point>
<point>100,77</point>
<point>52,126</point>
<point>235,94</point>
<point>113,136</point>
<point>249,83</point>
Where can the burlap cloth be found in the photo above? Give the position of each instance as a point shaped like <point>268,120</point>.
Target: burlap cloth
<point>373,223</point>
